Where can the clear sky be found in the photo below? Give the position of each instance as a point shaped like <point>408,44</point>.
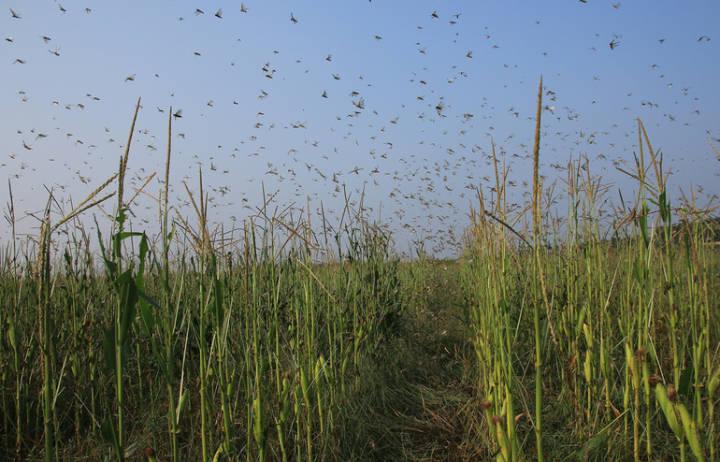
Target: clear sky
<point>414,92</point>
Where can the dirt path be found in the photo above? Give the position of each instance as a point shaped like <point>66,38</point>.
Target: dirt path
<point>435,423</point>
<point>422,415</point>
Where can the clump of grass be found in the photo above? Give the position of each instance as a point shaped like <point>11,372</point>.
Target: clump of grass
<point>621,322</point>
<point>202,343</point>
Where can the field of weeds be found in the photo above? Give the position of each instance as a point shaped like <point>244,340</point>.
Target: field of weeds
<point>593,337</point>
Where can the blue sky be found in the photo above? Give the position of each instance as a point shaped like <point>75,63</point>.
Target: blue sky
<point>413,162</point>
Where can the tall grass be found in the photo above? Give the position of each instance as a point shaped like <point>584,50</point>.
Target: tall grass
<point>244,342</point>
<point>609,315</point>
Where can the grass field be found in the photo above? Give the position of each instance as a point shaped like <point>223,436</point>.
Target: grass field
<point>588,337</point>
